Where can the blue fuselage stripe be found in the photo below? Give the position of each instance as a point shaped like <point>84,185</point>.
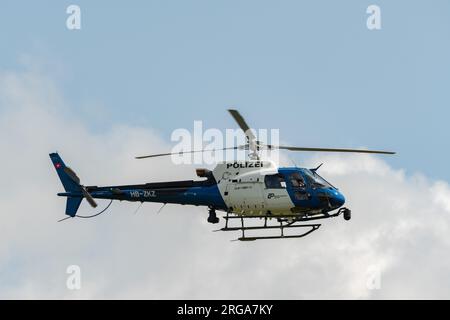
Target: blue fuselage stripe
<point>201,195</point>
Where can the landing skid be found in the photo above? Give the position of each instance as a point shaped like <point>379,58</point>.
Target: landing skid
<point>285,222</point>
<point>312,228</point>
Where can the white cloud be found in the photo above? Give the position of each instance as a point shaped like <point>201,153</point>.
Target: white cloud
<point>400,222</point>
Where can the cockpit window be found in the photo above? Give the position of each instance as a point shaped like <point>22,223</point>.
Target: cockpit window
<point>315,180</point>
<point>297,180</point>
<point>274,181</point>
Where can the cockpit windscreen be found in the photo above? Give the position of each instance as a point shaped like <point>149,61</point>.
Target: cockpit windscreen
<point>316,180</point>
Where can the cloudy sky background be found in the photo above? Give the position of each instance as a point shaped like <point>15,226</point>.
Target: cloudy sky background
<point>133,74</point>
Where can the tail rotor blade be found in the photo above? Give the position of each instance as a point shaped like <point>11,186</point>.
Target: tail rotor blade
<point>88,197</point>
<point>72,175</point>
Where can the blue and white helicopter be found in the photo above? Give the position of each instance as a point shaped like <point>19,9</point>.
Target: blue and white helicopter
<point>243,190</point>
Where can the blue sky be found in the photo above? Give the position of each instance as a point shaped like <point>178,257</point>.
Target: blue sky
<point>310,68</point>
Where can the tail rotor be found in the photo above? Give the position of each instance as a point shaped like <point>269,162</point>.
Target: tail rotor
<point>75,191</point>
<point>73,176</point>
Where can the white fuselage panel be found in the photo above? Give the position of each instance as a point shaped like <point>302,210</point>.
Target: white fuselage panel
<point>241,185</point>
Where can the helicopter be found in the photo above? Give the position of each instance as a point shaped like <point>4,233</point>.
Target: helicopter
<point>243,189</point>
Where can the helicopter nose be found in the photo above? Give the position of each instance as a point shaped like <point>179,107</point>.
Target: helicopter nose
<point>338,199</point>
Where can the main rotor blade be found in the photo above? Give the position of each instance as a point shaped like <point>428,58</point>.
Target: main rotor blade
<point>72,175</point>
<point>329,150</point>
<point>88,197</point>
<point>242,124</point>
<point>184,152</point>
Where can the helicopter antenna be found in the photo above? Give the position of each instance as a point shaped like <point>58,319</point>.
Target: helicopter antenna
<point>137,209</point>
<point>293,162</point>
<point>90,216</point>
<point>159,210</point>
<point>317,168</point>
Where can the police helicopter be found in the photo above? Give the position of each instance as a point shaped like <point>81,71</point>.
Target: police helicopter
<point>282,197</point>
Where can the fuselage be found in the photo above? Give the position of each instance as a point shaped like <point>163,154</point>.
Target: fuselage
<point>242,187</point>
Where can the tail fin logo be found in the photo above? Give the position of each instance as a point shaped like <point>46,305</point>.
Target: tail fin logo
<point>58,165</point>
